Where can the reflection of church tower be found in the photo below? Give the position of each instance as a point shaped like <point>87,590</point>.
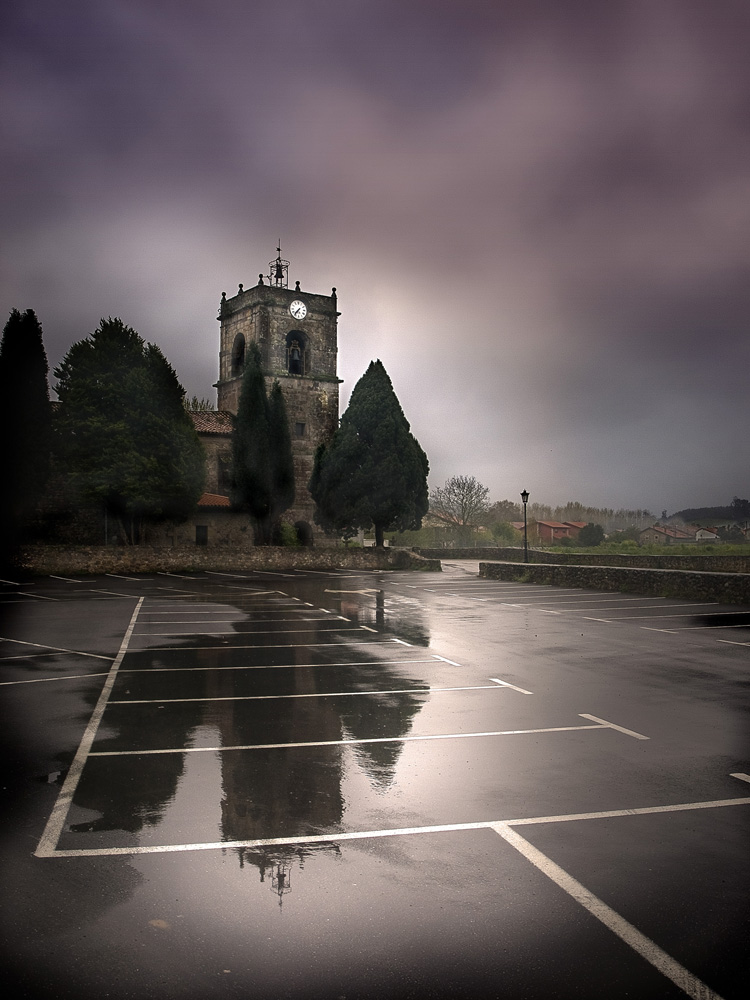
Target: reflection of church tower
<point>296,334</point>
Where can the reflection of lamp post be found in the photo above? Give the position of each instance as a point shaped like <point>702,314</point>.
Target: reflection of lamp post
<point>525,499</point>
<point>281,880</point>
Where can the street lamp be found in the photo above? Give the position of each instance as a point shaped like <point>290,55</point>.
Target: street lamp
<point>525,499</point>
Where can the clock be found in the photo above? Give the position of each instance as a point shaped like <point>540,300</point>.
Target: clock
<point>298,309</point>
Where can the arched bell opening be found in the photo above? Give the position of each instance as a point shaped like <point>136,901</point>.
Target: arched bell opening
<point>297,360</point>
<point>238,355</point>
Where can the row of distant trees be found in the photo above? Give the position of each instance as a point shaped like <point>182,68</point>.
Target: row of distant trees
<point>122,439</point>
<point>463,505</point>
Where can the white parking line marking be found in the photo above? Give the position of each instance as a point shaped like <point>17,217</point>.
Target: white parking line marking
<point>234,576</point>
<point>733,642</point>
<point>445,660</point>
<point>112,593</point>
<point>67,579</point>
<point>56,649</point>
<point>507,684</point>
<point>327,838</point>
<point>242,619</point>
<point>741,776</point>
<point>266,631</point>
<point>403,643</point>
<point>366,592</point>
<point>599,600</point>
<point>39,597</point>
<point>177,576</point>
<point>311,694</point>
<point>54,826</point>
<point>641,944</point>
<point>46,680</point>
<point>282,645</point>
<point>267,666</point>
<point>337,743</point>
<point>611,725</point>
<point>365,627</point>
<point>625,618</point>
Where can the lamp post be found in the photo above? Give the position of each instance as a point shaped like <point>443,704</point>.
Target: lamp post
<point>525,499</point>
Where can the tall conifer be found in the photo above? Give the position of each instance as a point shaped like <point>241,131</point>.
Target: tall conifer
<point>373,473</point>
<point>262,465</point>
<point>280,450</point>
<point>251,464</point>
<point>25,433</point>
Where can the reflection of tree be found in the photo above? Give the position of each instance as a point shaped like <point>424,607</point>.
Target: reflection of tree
<point>131,805</point>
<point>296,791</point>
<point>377,716</point>
<point>290,791</point>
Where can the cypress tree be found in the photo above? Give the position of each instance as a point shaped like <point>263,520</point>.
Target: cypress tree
<point>373,472</point>
<point>25,434</point>
<point>280,451</point>
<point>251,465</point>
<point>262,466</point>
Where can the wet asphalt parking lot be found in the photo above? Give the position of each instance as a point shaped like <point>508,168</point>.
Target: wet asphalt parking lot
<point>386,784</point>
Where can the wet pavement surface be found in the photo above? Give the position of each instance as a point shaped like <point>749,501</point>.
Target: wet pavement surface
<point>380,784</point>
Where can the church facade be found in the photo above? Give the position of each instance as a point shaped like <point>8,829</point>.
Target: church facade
<point>296,334</point>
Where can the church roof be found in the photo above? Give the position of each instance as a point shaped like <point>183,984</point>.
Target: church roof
<point>212,421</point>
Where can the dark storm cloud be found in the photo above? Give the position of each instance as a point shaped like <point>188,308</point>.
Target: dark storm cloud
<point>536,213</point>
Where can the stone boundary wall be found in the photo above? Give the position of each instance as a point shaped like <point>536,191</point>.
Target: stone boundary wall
<point>708,563</point>
<point>92,559</point>
<point>727,588</point>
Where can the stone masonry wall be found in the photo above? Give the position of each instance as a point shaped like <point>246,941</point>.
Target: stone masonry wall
<point>727,588</point>
<point>710,562</point>
<point>62,559</point>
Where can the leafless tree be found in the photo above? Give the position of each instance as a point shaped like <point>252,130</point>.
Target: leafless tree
<point>461,503</point>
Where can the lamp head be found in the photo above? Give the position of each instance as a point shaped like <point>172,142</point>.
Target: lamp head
<point>524,495</point>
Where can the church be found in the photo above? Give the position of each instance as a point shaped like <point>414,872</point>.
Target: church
<point>296,333</point>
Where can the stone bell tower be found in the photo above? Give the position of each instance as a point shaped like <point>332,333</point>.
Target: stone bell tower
<point>295,331</point>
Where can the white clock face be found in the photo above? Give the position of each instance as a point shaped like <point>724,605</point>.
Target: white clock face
<point>298,309</point>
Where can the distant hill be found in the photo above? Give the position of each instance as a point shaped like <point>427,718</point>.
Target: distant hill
<point>691,514</point>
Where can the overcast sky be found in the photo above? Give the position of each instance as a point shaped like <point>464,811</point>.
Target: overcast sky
<point>536,213</point>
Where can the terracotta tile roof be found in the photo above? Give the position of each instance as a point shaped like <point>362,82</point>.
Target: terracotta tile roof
<point>212,421</point>
<point>576,524</point>
<point>663,529</point>
<point>213,500</point>
<point>552,524</point>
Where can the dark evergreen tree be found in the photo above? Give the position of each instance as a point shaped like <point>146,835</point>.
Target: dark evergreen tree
<point>280,451</point>
<point>591,535</point>
<point>262,467</point>
<point>123,433</point>
<point>373,472</point>
<point>251,475</point>
<point>25,433</point>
